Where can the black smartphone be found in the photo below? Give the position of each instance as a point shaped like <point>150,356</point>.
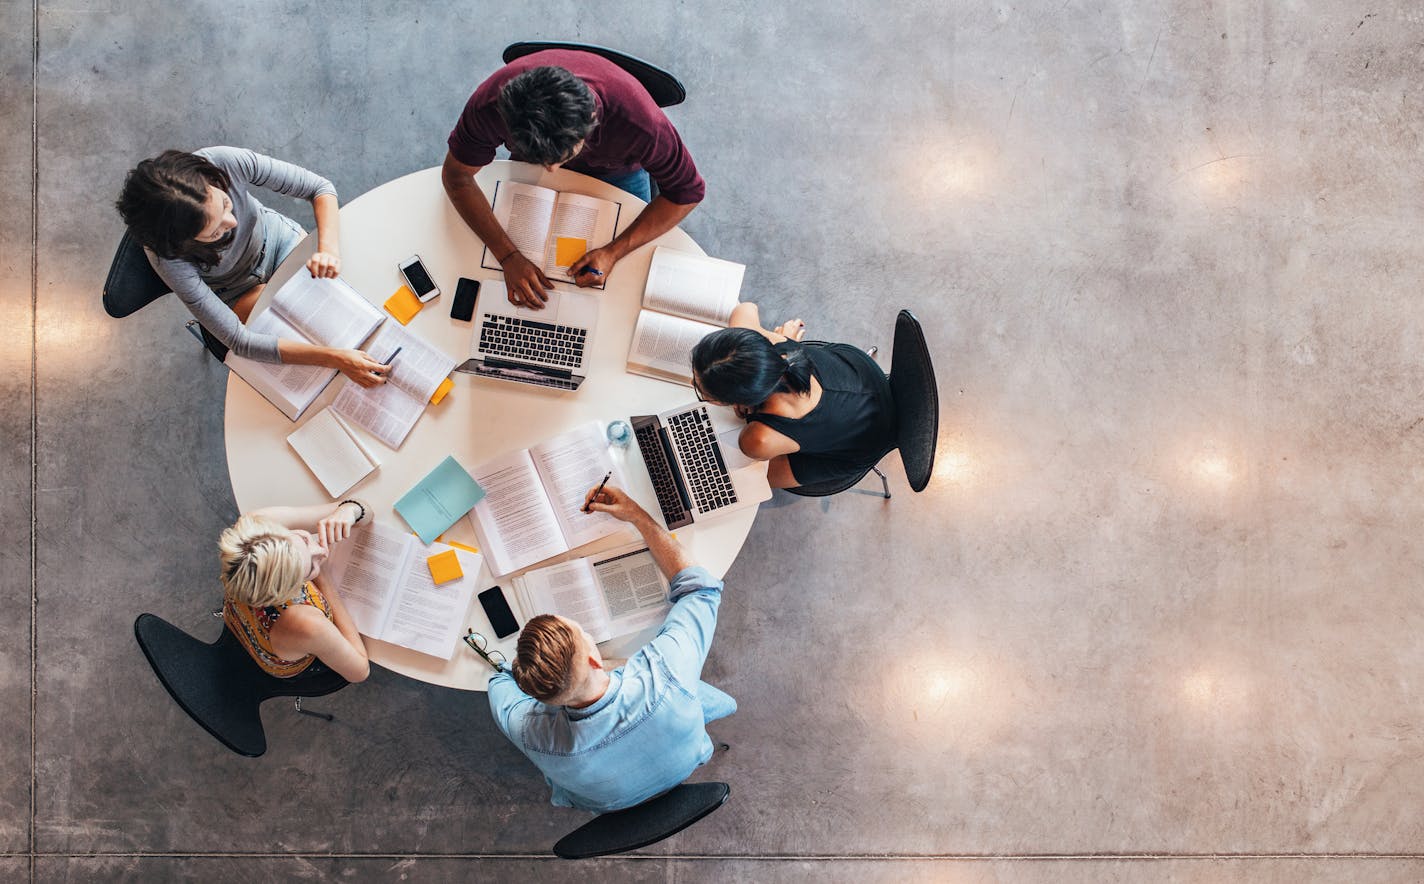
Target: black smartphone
<point>497,610</point>
<point>463,307</point>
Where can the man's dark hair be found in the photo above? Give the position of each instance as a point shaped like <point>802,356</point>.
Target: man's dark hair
<point>547,111</point>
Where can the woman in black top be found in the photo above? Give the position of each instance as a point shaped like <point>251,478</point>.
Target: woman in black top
<point>817,411</point>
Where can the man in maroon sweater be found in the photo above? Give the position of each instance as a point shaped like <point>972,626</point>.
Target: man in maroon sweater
<point>578,110</point>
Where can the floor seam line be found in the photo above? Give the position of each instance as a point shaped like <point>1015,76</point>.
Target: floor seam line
<point>974,857</point>
<point>34,426</point>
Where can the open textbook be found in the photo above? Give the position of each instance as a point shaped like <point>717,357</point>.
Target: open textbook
<point>332,452</point>
<point>533,505</point>
<point>388,411</point>
<point>611,594</point>
<point>687,298</point>
<point>328,312</point>
<point>386,584</point>
<point>552,229</point>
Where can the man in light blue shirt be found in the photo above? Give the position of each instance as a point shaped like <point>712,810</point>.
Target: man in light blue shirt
<point>606,739</point>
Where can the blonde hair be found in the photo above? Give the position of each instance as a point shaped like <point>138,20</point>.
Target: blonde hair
<point>544,657</point>
<point>260,565</point>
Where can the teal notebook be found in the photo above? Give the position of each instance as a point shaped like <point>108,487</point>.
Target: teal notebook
<point>439,500</point>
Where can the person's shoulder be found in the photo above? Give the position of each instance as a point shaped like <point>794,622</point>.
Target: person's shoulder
<point>302,621</point>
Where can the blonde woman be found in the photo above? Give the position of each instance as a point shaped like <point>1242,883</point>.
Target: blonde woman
<point>275,600</point>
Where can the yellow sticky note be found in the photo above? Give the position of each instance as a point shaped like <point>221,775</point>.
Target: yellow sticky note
<point>445,387</point>
<point>403,305</point>
<point>568,249</point>
<point>445,566</point>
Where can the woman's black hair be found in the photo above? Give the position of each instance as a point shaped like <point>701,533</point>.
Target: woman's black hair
<point>547,111</point>
<point>164,203</point>
<point>739,366</point>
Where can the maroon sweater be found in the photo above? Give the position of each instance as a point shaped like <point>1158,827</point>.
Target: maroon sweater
<point>632,131</point>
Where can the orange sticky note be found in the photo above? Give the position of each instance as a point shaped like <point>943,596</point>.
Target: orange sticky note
<point>445,566</point>
<point>568,249</point>
<point>465,546</point>
<point>403,305</point>
<point>445,387</point>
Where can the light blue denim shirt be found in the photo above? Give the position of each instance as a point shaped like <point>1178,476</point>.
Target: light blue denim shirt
<point>642,737</point>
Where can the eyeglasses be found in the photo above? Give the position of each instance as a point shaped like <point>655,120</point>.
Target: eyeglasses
<point>480,645</point>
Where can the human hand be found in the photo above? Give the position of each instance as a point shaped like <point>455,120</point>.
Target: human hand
<point>615,502</point>
<point>324,265</point>
<point>336,527</point>
<point>593,268</point>
<point>525,281</point>
<point>794,329</point>
<point>360,367</point>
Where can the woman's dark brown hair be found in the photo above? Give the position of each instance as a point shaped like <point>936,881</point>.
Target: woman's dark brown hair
<point>164,203</point>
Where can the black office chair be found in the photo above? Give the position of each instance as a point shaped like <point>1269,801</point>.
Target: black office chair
<point>662,86</point>
<point>916,395</point>
<point>219,685</point>
<point>647,823</point>
<point>132,285</point>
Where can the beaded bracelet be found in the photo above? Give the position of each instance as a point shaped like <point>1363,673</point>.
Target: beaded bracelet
<point>358,506</point>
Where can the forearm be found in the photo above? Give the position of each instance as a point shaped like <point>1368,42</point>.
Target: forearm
<point>302,518</point>
<point>474,209</point>
<point>341,618</point>
<point>660,216</point>
<point>667,552</point>
<point>328,223</point>
<point>302,353</point>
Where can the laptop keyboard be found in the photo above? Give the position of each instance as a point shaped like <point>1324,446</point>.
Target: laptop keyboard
<point>702,467</point>
<point>527,340</point>
<point>669,501</point>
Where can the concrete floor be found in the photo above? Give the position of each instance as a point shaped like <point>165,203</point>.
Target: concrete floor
<point>1157,617</point>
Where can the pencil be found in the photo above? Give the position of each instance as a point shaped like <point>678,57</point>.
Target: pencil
<point>608,476</point>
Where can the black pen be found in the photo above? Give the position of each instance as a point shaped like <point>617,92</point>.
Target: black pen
<point>598,492</point>
<point>393,356</point>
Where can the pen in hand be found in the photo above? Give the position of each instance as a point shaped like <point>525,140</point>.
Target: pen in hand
<point>393,356</point>
<point>606,477</point>
<point>590,270</point>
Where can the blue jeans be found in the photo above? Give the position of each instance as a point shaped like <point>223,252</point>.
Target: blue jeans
<point>280,235</point>
<point>715,703</point>
<point>636,182</point>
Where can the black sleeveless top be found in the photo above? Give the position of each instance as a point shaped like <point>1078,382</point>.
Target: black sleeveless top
<point>851,428</point>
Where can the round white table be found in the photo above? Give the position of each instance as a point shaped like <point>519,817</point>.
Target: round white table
<point>481,418</point>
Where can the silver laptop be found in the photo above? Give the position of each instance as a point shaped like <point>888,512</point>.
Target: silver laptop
<point>697,470</point>
<point>546,348</point>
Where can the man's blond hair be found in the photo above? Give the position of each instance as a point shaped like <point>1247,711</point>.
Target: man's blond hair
<point>543,664</point>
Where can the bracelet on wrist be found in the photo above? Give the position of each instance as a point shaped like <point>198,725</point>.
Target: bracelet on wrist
<point>358,506</point>
<point>507,256</point>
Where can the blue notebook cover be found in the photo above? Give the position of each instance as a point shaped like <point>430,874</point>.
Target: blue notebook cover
<point>439,500</point>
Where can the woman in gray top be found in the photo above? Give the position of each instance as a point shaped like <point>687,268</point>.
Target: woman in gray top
<point>216,246</point>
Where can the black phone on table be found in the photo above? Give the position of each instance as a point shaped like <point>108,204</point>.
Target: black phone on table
<point>463,307</point>
<point>497,610</point>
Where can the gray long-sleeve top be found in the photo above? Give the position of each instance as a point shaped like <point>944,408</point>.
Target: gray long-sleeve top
<point>245,169</point>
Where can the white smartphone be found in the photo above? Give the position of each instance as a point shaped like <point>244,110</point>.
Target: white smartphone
<point>418,278</point>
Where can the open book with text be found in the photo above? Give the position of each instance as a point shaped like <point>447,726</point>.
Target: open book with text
<point>385,582</point>
<point>533,504</point>
<point>332,452</point>
<point>389,411</point>
<point>610,595</point>
<point>327,312</point>
<point>687,297</point>
<point>550,228</point>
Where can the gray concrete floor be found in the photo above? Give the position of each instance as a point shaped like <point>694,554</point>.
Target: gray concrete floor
<point>1156,619</point>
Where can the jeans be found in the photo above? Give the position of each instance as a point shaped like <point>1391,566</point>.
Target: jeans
<point>280,235</point>
<point>715,703</point>
<point>636,182</point>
